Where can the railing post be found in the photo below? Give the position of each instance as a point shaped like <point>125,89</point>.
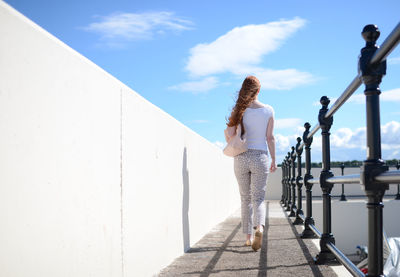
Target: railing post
<point>371,76</point>
<point>287,202</point>
<point>342,196</point>
<point>398,185</point>
<point>307,232</point>
<point>325,255</point>
<point>285,199</point>
<point>293,183</point>
<point>283,183</point>
<point>288,180</point>
<point>299,184</point>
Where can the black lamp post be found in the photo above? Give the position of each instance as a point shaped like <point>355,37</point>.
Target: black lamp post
<point>342,197</point>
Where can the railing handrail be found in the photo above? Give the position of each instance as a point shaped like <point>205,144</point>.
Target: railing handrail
<point>345,179</point>
<point>391,177</point>
<point>374,175</point>
<point>381,54</point>
<point>354,85</point>
<point>387,46</point>
<point>352,268</point>
<point>314,181</point>
<point>315,230</point>
<point>387,177</point>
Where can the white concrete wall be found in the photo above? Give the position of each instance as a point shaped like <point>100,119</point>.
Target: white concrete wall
<point>176,185</point>
<point>94,179</point>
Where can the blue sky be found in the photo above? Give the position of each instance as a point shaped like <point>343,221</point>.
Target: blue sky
<point>190,57</point>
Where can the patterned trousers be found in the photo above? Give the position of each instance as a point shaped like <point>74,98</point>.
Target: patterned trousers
<point>251,170</point>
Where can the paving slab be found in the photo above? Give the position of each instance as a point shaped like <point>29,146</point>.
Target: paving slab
<point>222,252</point>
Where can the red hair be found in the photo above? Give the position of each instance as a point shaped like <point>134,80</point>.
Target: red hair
<point>248,92</point>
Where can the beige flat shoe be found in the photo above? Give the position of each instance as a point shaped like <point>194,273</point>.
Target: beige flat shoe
<point>257,240</point>
<point>248,242</point>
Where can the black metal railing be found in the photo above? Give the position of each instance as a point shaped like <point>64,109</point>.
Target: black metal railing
<point>374,175</point>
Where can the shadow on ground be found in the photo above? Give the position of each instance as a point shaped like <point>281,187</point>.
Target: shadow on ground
<point>222,252</point>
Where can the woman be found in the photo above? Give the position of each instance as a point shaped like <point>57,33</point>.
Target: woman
<point>251,167</point>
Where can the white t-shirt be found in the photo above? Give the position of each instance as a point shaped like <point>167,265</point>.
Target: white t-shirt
<point>255,121</point>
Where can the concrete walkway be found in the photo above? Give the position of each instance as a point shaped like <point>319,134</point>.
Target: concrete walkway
<point>222,252</point>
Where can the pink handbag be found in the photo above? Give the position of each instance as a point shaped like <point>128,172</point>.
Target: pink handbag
<point>236,145</point>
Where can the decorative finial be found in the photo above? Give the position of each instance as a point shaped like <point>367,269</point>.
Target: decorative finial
<point>371,33</point>
<point>325,123</point>
<point>371,75</point>
<point>298,149</point>
<point>324,101</point>
<point>307,141</point>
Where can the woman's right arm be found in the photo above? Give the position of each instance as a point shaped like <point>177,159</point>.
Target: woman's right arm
<point>271,143</point>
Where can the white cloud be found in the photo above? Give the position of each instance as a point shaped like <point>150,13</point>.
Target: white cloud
<point>357,99</point>
<point>241,50</point>
<point>287,123</point>
<point>220,144</point>
<point>240,47</point>
<point>280,79</point>
<point>394,154</point>
<point>391,95</point>
<point>395,60</point>
<point>386,96</point>
<point>284,143</point>
<point>390,133</point>
<point>346,144</point>
<point>135,26</point>
<point>345,138</point>
<point>204,85</point>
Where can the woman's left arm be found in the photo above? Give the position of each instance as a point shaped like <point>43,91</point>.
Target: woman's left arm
<point>271,143</point>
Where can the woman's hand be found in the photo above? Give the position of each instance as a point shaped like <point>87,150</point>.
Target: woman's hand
<point>272,168</point>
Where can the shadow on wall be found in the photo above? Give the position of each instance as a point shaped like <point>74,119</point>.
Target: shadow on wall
<point>185,203</point>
